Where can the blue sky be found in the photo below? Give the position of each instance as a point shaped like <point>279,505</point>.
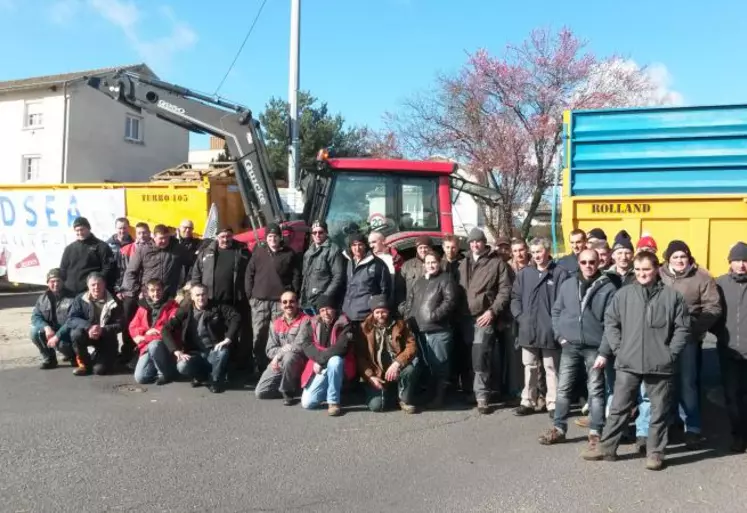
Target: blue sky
<point>365,56</point>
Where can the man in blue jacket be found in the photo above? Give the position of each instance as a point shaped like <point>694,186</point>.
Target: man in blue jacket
<point>578,324</point>
<point>367,275</point>
<point>48,317</point>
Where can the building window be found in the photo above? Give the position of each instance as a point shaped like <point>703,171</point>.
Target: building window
<point>31,168</point>
<point>33,116</point>
<point>134,128</point>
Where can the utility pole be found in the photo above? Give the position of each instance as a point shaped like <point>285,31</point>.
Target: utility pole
<point>294,152</point>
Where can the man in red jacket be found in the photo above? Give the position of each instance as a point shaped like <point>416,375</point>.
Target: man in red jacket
<point>155,362</point>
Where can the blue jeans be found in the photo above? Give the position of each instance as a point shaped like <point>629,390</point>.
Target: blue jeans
<point>436,347</point>
<point>325,386</point>
<point>64,346</point>
<point>200,365</point>
<point>571,358</point>
<point>609,382</point>
<point>644,413</point>
<point>155,362</point>
<point>403,390</point>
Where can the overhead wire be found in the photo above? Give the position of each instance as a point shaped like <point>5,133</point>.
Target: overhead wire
<point>243,43</point>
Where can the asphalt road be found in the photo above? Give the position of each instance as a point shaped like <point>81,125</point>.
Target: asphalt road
<point>94,444</point>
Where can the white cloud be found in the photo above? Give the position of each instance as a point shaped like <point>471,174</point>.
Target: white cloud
<point>62,12</point>
<point>629,84</point>
<point>157,51</point>
<point>662,80</point>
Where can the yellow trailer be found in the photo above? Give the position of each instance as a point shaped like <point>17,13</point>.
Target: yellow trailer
<point>672,173</point>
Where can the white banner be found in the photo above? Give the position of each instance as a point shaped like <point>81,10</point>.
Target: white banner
<point>36,225</point>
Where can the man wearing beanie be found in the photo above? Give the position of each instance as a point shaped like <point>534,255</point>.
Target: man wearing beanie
<point>622,273</point>
<point>272,270</point>
<point>646,243</point>
<point>484,277</point>
<point>704,306</point>
<point>731,334</point>
<point>84,256</point>
<point>367,275</point>
<point>413,268</point>
<point>47,318</point>
<point>323,268</point>
<point>595,235</point>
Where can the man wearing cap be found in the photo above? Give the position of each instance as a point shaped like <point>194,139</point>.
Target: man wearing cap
<point>273,269</point>
<point>682,273</point>
<point>595,235</point>
<point>577,240</point>
<point>87,254</point>
<point>646,243</point>
<point>47,318</point>
<point>221,267</point>
<point>95,320</point>
<point>327,342</point>
<point>621,273</point>
<point>487,286</point>
<point>386,359</point>
<point>367,275</point>
<point>282,377</point>
<point>323,268</point>
<point>731,334</point>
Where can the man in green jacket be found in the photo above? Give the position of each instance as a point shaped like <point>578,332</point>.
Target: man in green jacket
<point>646,328</point>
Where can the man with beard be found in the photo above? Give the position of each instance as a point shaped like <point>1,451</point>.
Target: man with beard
<point>155,364</point>
<point>47,319</point>
<point>282,377</point>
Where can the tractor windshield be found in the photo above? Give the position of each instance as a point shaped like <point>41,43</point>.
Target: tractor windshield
<point>385,202</point>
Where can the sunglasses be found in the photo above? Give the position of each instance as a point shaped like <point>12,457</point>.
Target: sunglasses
<point>587,262</point>
<point>288,301</point>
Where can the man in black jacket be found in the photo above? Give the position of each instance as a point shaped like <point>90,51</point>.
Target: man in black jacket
<point>95,320</point>
<point>200,335</point>
<point>646,327</point>
<point>273,269</point>
<point>116,242</point>
<point>532,297</point>
<point>221,267</point>
<point>367,275</point>
<point>48,317</point>
<point>85,256</point>
<point>578,324</point>
<point>186,238</point>
<point>323,269</point>
<point>577,241</point>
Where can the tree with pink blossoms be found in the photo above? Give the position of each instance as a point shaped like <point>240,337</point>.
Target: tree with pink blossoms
<point>502,116</point>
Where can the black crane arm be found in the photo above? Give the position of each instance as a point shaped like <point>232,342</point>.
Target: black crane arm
<point>202,114</point>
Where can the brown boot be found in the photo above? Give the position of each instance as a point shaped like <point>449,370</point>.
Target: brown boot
<point>333,410</point>
<point>582,422</point>
<point>408,408</point>
<point>596,454</point>
<point>552,436</point>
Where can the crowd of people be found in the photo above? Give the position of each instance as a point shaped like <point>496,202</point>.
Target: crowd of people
<point>612,326</point>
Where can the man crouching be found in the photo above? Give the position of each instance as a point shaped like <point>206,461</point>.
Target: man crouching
<point>199,335</point>
<point>95,319</point>
<point>385,357</point>
<point>47,319</point>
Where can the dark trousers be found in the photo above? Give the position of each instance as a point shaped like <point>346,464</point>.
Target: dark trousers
<point>263,311</point>
<point>404,390</point>
<point>734,380</point>
<point>461,360</point>
<point>627,385</point>
<point>104,354</point>
<point>481,342</point>
<point>436,348</point>
<point>64,346</point>
<point>129,348</point>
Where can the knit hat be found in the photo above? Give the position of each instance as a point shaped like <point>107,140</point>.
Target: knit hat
<point>81,221</point>
<point>674,247</point>
<point>319,224</point>
<point>502,241</point>
<point>646,241</point>
<point>622,241</point>
<point>273,228</point>
<point>738,252</point>
<point>379,301</point>
<point>53,273</point>
<point>356,237</point>
<point>325,301</point>
<point>476,234</point>
<point>423,240</point>
<point>596,233</point>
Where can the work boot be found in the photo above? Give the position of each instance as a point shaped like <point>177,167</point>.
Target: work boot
<point>522,410</point>
<point>81,370</point>
<point>541,404</point>
<point>216,388</point>
<point>593,442</point>
<point>333,410</point>
<point>407,408</point>
<point>693,441</point>
<point>738,445</point>
<point>483,408</point>
<point>288,399</point>
<point>552,436</point>
<point>654,461</point>
<point>162,380</point>
<point>49,364</point>
<point>640,445</point>
<point>596,453</point>
<point>438,399</point>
